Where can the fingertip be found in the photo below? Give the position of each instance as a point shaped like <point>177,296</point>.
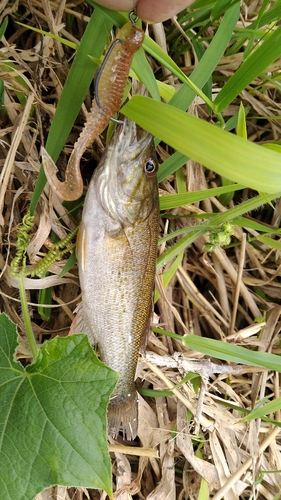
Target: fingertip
<point>160,10</point>
<point>123,5</point>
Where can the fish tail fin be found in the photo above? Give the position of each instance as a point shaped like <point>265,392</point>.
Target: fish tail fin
<point>123,415</point>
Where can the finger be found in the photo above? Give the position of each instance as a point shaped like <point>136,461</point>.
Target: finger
<point>123,5</point>
<point>159,10</point>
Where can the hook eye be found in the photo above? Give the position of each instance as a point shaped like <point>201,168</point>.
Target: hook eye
<point>133,17</point>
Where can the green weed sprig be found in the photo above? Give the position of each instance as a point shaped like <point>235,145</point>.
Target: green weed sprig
<point>220,236</point>
<point>19,271</point>
<point>56,252</point>
<point>23,240</point>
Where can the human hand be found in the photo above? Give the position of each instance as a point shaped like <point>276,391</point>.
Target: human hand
<point>154,11</point>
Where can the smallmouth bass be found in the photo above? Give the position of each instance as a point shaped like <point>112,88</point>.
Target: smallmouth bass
<point>116,251</point>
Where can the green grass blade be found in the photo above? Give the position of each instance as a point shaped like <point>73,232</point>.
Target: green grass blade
<point>227,352</point>
<point>209,61</point>
<point>233,353</point>
<point>228,155</point>
<point>178,200</point>
<point>162,57</point>
<point>178,247</point>
<point>168,275</point>
<point>113,16</point>
<point>241,128</point>
<point>216,220</point>
<point>253,224</point>
<point>243,208</point>
<point>70,44</point>
<point>256,63</point>
<point>144,72</point>
<point>171,165</point>
<point>270,242</point>
<point>270,407</point>
<point>271,15</point>
<point>45,298</point>
<point>3,27</point>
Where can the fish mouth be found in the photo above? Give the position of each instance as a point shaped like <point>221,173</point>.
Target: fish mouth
<point>131,139</point>
<point>123,187</point>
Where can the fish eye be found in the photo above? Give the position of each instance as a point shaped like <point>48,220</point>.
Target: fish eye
<point>150,167</point>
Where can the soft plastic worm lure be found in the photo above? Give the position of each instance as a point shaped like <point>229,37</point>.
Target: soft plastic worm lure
<point>110,84</point>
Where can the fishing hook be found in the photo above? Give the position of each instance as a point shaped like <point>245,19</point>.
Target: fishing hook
<point>133,17</point>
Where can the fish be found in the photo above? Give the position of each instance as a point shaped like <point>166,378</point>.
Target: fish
<point>116,253</point>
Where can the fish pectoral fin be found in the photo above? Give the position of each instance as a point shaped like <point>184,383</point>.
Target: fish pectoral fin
<point>113,227</point>
<point>81,246</point>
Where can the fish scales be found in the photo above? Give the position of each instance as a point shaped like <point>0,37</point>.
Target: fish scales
<point>116,251</point>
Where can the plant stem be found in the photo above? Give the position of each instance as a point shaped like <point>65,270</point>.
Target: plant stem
<point>26,318</point>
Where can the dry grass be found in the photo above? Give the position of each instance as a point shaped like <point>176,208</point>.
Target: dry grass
<point>215,294</point>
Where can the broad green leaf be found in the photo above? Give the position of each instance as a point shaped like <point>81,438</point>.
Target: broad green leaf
<point>230,156</point>
<point>275,147</point>
<point>53,417</point>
